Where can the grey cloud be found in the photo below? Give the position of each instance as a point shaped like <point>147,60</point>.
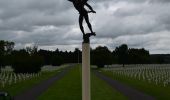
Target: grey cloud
<point>135,19</point>
<point>27,21</point>
<point>54,23</point>
<point>159,1</point>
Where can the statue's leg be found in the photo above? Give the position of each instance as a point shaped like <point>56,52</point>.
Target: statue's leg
<point>88,23</point>
<point>81,24</point>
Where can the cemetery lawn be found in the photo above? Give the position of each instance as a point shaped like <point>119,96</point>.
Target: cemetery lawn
<point>69,88</point>
<point>159,92</point>
<point>102,91</point>
<point>19,87</point>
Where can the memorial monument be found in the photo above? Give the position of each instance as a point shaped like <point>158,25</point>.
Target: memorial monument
<point>83,14</point>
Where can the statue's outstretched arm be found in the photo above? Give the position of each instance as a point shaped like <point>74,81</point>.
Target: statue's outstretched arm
<point>90,7</point>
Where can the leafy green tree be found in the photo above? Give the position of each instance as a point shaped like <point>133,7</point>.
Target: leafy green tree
<point>9,46</point>
<point>27,64</point>
<point>2,47</point>
<point>77,55</point>
<point>121,53</point>
<point>2,53</point>
<point>47,56</point>
<point>23,62</point>
<point>5,51</point>
<point>138,56</point>
<point>101,56</point>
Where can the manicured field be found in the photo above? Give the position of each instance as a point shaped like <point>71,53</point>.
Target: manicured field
<point>69,88</point>
<point>157,91</point>
<point>102,91</point>
<point>19,87</point>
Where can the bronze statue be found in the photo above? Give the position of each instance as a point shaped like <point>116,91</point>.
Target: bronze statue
<point>79,5</point>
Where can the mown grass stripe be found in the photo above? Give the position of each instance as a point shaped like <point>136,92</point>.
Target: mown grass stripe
<point>69,88</point>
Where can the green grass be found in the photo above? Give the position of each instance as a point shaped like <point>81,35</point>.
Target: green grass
<point>102,91</point>
<point>19,87</point>
<point>159,92</point>
<point>69,88</point>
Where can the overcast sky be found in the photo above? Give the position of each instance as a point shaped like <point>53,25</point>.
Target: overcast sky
<point>52,24</point>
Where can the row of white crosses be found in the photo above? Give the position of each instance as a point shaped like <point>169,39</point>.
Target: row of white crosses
<point>8,78</point>
<point>152,73</point>
<point>11,78</point>
<point>49,68</point>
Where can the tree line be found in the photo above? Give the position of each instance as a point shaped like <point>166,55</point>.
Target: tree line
<point>30,59</point>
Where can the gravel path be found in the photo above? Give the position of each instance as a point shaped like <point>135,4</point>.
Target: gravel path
<point>129,92</point>
<point>37,90</point>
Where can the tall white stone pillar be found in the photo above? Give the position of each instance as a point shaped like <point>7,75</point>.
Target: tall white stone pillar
<point>86,71</point>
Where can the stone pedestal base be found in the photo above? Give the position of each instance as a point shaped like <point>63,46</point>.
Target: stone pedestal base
<point>86,71</point>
